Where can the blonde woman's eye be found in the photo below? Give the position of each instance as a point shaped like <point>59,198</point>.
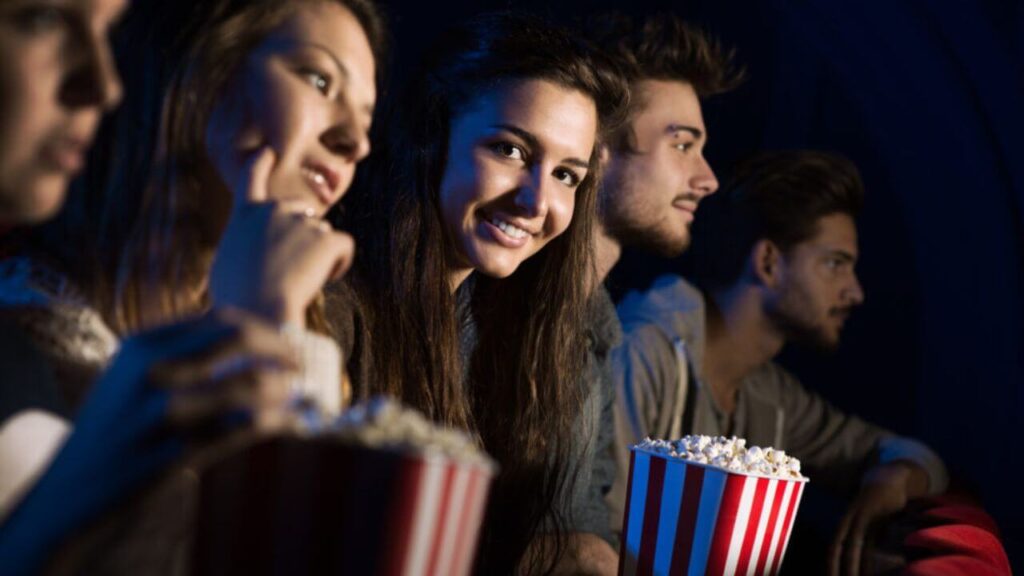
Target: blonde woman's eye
<point>509,150</point>
<point>318,80</point>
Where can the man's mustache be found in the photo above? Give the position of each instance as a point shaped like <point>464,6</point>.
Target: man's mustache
<point>695,198</point>
<point>841,312</point>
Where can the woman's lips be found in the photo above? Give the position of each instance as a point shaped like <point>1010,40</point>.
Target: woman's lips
<point>66,155</point>
<point>323,182</point>
<point>493,229</point>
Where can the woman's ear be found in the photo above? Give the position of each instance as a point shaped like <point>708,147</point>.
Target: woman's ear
<point>603,155</point>
<point>766,263</point>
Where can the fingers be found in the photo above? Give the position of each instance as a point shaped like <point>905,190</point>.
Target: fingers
<point>177,339</point>
<point>244,344</point>
<point>848,547</point>
<point>836,551</point>
<point>257,173</point>
<point>305,240</point>
<point>854,546</point>
<point>879,562</point>
<point>338,250</point>
<point>145,357</point>
<point>346,254</point>
<point>329,254</point>
<point>337,247</point>
<point>298,207</point>
<point>244,372</point>
<point>244,398</point>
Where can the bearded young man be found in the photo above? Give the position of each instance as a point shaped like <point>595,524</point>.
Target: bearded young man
<point>777,265</point>
<point>655,170</point>
<point>655,175</point>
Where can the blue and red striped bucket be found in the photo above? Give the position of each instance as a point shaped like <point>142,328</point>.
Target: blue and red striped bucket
<point>687,518</point>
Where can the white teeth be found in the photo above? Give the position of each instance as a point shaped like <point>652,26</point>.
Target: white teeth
<point>315,176</point>
<point>511,230</point>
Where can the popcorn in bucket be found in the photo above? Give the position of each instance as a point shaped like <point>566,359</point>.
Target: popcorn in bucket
<point>704,505</point>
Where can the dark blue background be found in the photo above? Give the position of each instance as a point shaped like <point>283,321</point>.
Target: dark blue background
<point>927,98</point>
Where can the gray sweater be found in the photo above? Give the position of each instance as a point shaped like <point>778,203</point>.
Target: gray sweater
<point>663,347</point>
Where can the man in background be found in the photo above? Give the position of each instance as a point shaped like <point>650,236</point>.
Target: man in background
<point>776,253</point>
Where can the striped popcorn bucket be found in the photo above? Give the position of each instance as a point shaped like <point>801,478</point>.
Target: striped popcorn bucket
<point>322,506</point>
<point>688,518</point>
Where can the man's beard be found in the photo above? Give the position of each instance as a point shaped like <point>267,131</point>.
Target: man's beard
<point>786,316</point>
<point>806,335</point>
<point>645,238</point>
<point>627,230</point>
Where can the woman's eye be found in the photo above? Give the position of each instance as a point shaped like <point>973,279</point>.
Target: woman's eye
<point>318,80</point>
<point>568,177</point>
<point>39,19</point>
<point>509,150</point>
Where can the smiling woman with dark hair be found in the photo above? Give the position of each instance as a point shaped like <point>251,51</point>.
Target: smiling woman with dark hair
<point>475,254</point>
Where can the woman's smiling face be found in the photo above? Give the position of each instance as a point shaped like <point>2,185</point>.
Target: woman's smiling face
<point>515,158</point>
<point>307,92</point>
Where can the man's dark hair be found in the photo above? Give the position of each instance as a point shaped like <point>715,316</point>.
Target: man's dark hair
<point>778,196</point>
<point>663,47</point>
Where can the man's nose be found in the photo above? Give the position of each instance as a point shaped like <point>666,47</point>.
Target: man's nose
<point>704,181</point>
<point>855,292</point>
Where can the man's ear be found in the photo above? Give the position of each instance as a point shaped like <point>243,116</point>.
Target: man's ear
<point>766,263</point>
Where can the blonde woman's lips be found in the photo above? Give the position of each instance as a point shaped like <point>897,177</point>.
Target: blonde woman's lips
<point>323,179</point>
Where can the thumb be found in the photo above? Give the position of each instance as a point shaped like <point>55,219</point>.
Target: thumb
<point>256,175</point>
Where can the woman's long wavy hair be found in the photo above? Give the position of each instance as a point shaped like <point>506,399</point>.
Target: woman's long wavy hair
<point>152,192</point>
<point>521,389</point>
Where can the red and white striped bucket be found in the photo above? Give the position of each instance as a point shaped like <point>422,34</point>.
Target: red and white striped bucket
<point>322,506</point>
<point>438,515</point>
<point>689,518</point>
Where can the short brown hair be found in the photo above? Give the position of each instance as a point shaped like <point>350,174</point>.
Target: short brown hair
<point>663,47</point>
<point>778,196</point>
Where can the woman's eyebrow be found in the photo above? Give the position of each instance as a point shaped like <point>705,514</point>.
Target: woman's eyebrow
<point>532,142</point>
<point>343,71</point>
<point>286,41</point>
<point>334,58</point>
